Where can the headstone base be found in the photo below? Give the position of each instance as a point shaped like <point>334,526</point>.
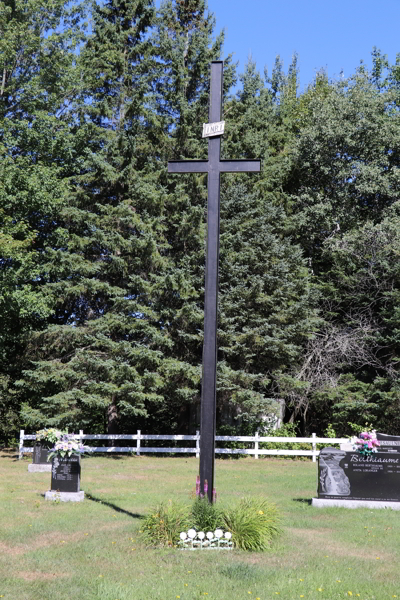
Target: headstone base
<point>65,496</point>
<point>32,468</point>
<point>322,503</point>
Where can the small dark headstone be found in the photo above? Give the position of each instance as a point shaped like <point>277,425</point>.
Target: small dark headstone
<point>39,455</point>
<point>352,476</point>
<point>66,474</point>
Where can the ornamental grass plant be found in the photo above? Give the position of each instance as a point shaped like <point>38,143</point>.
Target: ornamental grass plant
<point>253,524</point>
<point>164,524</point>
<point>205,516</point>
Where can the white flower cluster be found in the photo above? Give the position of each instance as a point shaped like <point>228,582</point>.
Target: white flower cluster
<point>194,540</point>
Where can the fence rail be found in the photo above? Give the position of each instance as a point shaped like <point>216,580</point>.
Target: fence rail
<point>256,440</point>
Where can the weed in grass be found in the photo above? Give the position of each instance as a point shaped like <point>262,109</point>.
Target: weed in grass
<point>253,524</point>
<point>240,572</point>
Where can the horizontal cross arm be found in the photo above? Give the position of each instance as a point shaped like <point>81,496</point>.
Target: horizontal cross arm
<point>240,166</point>
<point>187,166</point>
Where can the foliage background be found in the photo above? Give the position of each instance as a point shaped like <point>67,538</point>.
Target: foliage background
<point>102,253</point>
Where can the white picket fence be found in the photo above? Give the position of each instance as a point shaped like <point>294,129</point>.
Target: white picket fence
<point>251,439</point>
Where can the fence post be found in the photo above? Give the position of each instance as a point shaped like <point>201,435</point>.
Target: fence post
<point>21,444</point>
<point>138,443</point>
<point>314,448</point>
<point>197,443</point>
<point>80,436</point>
<point>256,445</point>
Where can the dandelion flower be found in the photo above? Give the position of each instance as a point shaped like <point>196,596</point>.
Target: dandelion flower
<point>378,558</point>
<point>339,580</point>
<point>301,579</point>
<point>320,589</point>
<point>349,593</point>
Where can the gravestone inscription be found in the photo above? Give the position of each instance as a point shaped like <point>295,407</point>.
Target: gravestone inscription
<point>39,455</point>
<point>66,474</point>
<point>353,476</point>
<point>388,443</point>
<point>39,460</point>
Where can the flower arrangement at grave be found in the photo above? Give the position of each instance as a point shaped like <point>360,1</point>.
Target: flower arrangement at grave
<point>48,437</point>
<point>66,446</point>
<point>367,443</point>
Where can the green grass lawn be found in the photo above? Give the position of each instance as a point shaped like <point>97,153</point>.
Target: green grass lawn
<point>90,550</point>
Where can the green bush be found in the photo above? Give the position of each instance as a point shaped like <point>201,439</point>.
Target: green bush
<point>205,516</point>
<point>165,523</point>
<point>253,524</point>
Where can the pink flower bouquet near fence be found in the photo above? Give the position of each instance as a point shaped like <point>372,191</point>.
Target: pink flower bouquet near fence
<point>367,443</point>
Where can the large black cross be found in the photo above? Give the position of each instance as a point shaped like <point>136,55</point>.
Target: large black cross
<point>214,166</point>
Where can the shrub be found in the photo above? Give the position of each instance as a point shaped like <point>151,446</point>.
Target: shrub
<point>205,516</point>
<point>253,524</point>
<point>164,524</point>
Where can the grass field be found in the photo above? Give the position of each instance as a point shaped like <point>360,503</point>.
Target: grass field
<point>90,550</point>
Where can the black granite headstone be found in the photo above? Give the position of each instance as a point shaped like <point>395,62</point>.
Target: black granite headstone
<point>66,474</point>
<point>352,476</point>
<point>388,443</point>
<point>39,455</point>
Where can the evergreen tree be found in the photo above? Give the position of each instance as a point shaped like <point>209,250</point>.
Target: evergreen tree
<point>37,149</point>
<point>100,362</point>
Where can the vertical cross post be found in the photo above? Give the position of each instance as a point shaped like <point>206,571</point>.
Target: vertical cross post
<point>214,166</point>
<point>209,380</point>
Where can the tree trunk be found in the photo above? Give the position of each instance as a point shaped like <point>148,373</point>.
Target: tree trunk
<point>112,420</point>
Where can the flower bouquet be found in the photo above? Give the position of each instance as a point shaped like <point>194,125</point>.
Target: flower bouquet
<point>67,445</point>
<point>48,437</point>
<point>367,443</point>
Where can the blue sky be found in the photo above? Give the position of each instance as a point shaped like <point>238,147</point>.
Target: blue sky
<point>332,34</point>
